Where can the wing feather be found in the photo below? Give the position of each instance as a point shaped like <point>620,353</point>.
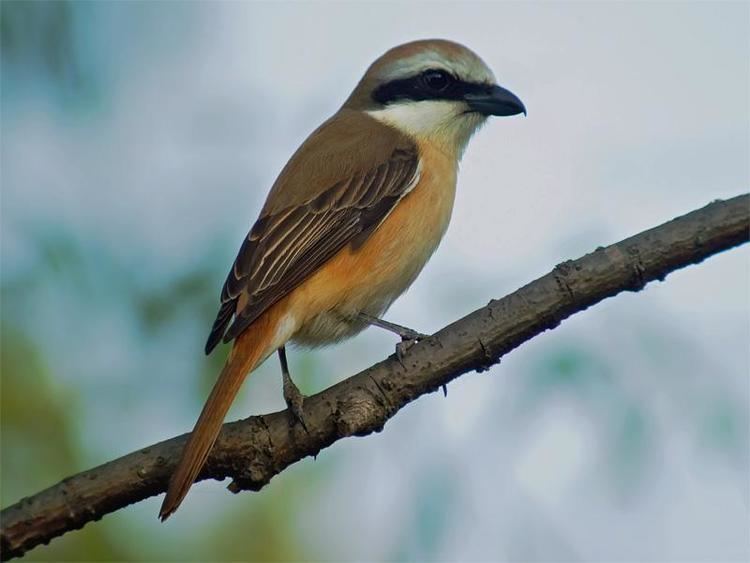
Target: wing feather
<point>287,246</point>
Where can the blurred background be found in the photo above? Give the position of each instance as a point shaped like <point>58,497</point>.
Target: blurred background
<point>138,142</point>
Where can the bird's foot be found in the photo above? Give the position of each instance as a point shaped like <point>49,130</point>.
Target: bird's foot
<point>294,400</point>
<point>407,341</point>
<point>409,335</point>
<point>406,333</point>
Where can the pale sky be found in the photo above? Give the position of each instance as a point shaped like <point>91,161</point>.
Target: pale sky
<point>637,113</point>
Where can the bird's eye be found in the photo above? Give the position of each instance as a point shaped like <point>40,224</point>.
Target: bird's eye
<point>436,80</point>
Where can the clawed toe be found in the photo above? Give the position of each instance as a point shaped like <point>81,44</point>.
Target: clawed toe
<point>403,346</point>
<point>412,335</point>
<point>294,401</point>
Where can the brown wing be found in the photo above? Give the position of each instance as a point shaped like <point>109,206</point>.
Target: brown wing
<point>288,244</point>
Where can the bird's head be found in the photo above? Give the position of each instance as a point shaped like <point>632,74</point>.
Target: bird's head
<point>433,89</point>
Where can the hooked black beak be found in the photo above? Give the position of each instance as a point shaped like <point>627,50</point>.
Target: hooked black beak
<point>495,100</point>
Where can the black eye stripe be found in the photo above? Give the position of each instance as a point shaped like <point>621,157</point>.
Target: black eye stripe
<point>416,88</point>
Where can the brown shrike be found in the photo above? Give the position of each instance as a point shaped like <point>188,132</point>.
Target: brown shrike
<point>350,222</point>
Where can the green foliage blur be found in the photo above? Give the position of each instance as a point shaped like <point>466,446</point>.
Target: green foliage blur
<point>40,415</point>
<point>41,432</point>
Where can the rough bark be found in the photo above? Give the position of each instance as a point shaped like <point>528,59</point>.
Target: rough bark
<point>253,450</point>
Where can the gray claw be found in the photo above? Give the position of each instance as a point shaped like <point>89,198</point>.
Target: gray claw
<point>412,335</point>
<point>402,347</point>
<point>294,401</point>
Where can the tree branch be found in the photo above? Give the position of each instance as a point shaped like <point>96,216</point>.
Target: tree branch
<point>253,450</point>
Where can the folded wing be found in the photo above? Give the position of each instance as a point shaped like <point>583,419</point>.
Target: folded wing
<point>289,243</point>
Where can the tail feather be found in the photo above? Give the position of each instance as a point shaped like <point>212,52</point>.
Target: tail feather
<point>248,351</point>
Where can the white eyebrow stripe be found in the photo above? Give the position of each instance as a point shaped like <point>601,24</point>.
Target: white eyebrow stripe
<point>465,68</point>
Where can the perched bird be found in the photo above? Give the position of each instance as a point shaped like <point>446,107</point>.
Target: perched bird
<point>350,222</point>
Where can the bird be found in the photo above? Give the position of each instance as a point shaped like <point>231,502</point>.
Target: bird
<point>349,223</point>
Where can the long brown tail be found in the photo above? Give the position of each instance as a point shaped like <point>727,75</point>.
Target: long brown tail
<point>249,349</point>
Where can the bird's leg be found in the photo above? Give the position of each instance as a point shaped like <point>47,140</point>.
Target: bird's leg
<point>404,332</point>
<point>408,336</point>
<point>292,395</point>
